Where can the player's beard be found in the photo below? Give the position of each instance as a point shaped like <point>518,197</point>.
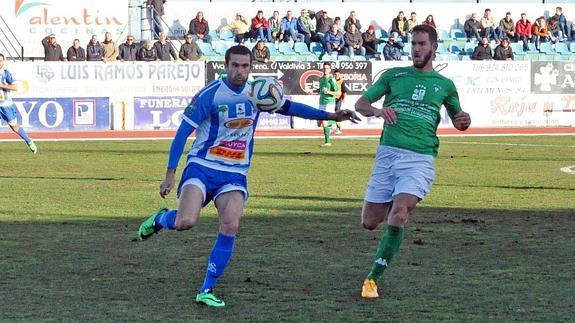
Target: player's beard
<point>426,59</point>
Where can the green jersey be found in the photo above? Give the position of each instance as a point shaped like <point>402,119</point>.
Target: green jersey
<point>417,98</point>
<point>329,83</point>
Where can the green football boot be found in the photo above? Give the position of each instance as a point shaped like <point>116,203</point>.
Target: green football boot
<point>209,299</point>
<point>148,228</point>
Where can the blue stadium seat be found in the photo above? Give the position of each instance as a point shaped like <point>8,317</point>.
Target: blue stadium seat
<point>407,48</point>
<point>572,47</point>
<point>517,48</point>
<point>214,35</point>
<point>458,34</point>
<point>226,34</point>
<point>380,47</point>
<point>316,48</point>
<point>359,58</point>
<point>532,48</point>
<point>441,49</point>
<point>249,44</point>
<point>455,49</point>
<point>469,48</point>
<point>220,47</point>
<point>301,48</point>
<point>273,49</point>
<point>207,49</point>
<point>443,35</point>
<point>343,58</point>
<point>562,49</point>
<point>547,49</point>
<point>286,49</point>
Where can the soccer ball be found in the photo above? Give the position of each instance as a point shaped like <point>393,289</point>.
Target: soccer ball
<point>266,94</point>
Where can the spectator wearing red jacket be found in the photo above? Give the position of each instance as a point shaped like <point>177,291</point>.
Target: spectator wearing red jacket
<point>523,31</point>
<point>260,27</point>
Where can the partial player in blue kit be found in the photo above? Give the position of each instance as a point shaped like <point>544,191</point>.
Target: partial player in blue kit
<point>7,107</point>
<point>224,121</point>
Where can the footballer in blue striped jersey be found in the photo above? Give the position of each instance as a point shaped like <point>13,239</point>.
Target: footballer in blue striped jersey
<point>224,121</point>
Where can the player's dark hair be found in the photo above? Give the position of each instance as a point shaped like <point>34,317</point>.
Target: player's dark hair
<point>2,55</point>
<point>429,30</point>
<point>237,50</point>
<point>327,64</point>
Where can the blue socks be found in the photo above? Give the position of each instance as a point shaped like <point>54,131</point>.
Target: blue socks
<point>219,258</point>
<point>166,220</point>
<point>23,135</point>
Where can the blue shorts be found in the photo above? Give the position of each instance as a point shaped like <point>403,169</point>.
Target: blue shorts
<point>8,114</point>
<point>212,182</point>
<point>398,171</point>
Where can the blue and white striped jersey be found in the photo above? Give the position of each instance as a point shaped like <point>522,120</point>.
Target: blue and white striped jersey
<point>225,123</point>
<point>6,77</point>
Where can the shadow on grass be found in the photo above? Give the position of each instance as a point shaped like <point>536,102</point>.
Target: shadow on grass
<point>454,264</point>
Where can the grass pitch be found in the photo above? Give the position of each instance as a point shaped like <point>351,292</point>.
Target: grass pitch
<point>495,240</point>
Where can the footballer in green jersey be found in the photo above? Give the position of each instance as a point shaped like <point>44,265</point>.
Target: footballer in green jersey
<point>404,170</point>
<point>328,91</point>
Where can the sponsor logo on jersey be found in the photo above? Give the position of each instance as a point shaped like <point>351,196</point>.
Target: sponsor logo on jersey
<point>239,123</point>
<point>228,153</point>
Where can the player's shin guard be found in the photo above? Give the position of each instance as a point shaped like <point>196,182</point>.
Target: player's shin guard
<point>388,246</point>
<point>23,135</point>
<point>219,258</point>
<point>166,220</point>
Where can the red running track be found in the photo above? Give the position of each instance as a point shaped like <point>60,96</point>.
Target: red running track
<point>139,134</point>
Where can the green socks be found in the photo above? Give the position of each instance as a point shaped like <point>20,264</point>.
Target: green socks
<point>326,131</point>
<point>388,246</point>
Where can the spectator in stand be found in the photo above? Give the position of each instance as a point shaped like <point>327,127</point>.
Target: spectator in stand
<point>473,28</point>
<point>540,32</point>
<point>76,53</point>
<point>394,48</point>
<point>503,51</point>
<point>200,29</point>
<point>429,21</point>
<point>354,41</point>
<point>110,48</point>
<point>190,51</point>
<point>164,49</point>
<point>148,52</point>
<point>275,25</point>
<point>260,27</point>
<point>507,27</point>
<point>260,52</point>
<point>239,27</point>
<point>523,30</point>
<point>94,50</point>
<point>489,27</point>
<point>52,50</point>
<point>156,9</point>
<point>351,20</point>
<point>289,28</point>
<point>562,21</point>
<point>322,25</point>
<point>400,26</point>
<point>554,31</point>
<point>337,21</point>
<point>128,51</point>
<point>334,41</point>
<point>370,42</point>
<point>482,51</point>
<point>306,27</point>
<point>412,22</point>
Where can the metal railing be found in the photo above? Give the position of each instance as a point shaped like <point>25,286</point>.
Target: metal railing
<point>151,21</point>
<point>9,41</point>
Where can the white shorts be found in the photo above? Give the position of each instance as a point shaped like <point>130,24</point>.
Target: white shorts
<point>330,107</point>
<point>398,171</point>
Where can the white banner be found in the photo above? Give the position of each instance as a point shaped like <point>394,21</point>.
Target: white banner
<point>31,21</point>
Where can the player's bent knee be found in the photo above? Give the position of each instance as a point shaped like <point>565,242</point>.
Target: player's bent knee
<point>369,225</point>
<point>185,223</point>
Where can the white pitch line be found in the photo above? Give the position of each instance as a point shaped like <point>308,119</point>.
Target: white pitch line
<point>505,144</point>
<point>568,170</point>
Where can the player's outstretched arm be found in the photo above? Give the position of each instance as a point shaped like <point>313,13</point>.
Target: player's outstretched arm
<point>176,150</point>
<point>301,110</point>
<point>461,121</point>
<point>9,87</point>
